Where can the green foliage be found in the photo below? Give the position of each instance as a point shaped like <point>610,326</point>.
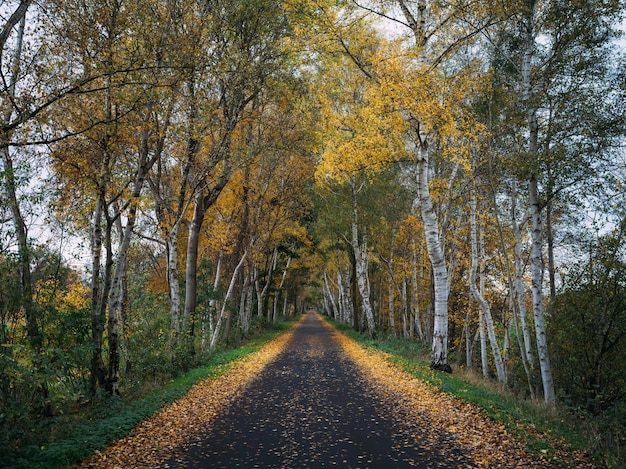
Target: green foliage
<point>588,340</point>
<point>112,417</point>
<point>589,328</point>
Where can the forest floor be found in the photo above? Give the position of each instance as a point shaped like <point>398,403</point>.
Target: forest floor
<point>315,398</point>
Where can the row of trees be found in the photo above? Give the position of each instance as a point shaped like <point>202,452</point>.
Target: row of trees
<point>166,150</point>
<point>413,167</point>
<point>461,153</point>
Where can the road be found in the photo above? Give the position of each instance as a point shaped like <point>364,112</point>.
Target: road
<point>311,407</point>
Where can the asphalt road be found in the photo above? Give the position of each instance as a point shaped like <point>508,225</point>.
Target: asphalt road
<point>312,408</point>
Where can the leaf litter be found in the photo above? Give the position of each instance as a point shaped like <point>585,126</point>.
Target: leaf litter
<point>426,417</point>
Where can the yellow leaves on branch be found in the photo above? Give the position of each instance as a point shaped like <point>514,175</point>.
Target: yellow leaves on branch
<point>369,123</point>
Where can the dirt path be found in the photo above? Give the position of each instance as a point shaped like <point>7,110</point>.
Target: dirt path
<point>314,398</point>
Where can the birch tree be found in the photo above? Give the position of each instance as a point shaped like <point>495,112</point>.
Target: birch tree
<point>548,57</point>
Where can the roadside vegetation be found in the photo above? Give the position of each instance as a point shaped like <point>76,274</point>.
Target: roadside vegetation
<point>76,433</point>
<point>546,429</point>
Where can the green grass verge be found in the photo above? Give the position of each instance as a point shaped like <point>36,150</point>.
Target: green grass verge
<point>119,417</point>
<point>542,428</point>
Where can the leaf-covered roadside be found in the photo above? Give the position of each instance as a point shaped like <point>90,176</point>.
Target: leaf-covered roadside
<point>497,435</point>
<point>157,438</point>
<point>90,434</point>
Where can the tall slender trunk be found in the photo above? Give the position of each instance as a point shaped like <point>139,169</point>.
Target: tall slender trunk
<point>391,298</point>
<point>537,291</point>
<point>281,287</point>
<point>405,308</point>
<point>483,345</point>
<point>116,298</point>
<point>468,341</point>
<point>100,281</point>
<point>261,293</point>
<point>478,295</point>
<point>211,313</point>
<point>229,292</point>
<point>191,266</point>
<point>417,320</point>
<point>361,265</point>
<point>518,290</point>
<point>245,306</point>
<point>173,282</point>
<point>331,299</point>
<point>439,355</point>
<point>551,267</point>
<point>535,209</point>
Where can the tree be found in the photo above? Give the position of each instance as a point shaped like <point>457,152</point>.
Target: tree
<point>553,61</point>
<point>588,332</point>
<point>432,117</point>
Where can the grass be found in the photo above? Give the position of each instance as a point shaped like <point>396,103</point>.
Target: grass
<point>113,418</point>
<point>545,429</point>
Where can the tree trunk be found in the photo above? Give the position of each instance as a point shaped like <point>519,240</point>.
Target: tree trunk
<point>173,283</point>
<point>518,292</point>
<point>417,320</point>
<point>483,345</point>
<point>537,290</point>
<point>361,265</point>
<point>405,308</point>
<point>483,304</point>
<point>262,293</point>
<point>245,304</point>
<point>439,355</point>
<point>281,287</point>
<point>332,304</point>
<point>191,266</point>
<point>231,287</point>
<point>535,208</point>
<point>391,298</point>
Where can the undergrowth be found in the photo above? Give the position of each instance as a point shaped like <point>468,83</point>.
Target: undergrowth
<point>72,439</point>
<point>542,427</point>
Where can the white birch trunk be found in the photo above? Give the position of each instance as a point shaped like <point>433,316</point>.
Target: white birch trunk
<point>229,292</point>
<point>404,305</point>
<point>261,294</point>
<point>518,292</point>
<point>331,298</point>
<point>535,212</point>
<point>537,290</point>
<point>417,320</point>
<point>281,287</point>
<point>285,306</point>
<point>483,345</point>
<point>439,354</point>
<point>212,302</point>
<point>173,284</point>
<point>360,254</point>
<point>468,341</point>
<point>478,295</point>
<point>245,307</point>
<point>391,289</point>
